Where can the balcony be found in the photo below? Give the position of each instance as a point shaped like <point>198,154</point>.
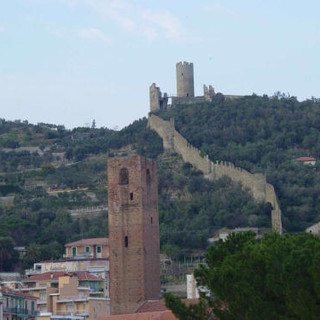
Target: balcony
<point>79,255</point>
<point>32,272</point>
<point>77,312</point>
<point>20,312</point>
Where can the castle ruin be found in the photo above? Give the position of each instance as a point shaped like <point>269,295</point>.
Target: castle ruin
<point>185,90</point>
<point>172,139</point>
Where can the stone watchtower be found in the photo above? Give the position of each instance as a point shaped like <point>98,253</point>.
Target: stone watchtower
<point>133,233</point>
<point>185,79</point>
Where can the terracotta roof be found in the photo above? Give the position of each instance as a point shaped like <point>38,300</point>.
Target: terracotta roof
<point>88,242</point>
<point>158,315</point>
<point>152,306</point>
<point>150,310</point>
<point>54,276</point>
<point>306,159</point>
<point>159,305</point>
<point>13,292</point>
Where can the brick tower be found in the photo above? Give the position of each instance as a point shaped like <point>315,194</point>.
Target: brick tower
<point>133,233</point>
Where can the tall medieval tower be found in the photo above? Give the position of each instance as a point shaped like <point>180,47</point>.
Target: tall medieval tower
<point>185,79</point>
<point>133,233</point>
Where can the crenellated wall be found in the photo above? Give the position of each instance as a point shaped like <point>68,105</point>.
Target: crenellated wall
<point>190,153</point>
<point>256,183</point>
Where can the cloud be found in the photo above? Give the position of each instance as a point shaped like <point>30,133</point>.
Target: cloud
<point>163,22</point>
<point>2,28</point>
<point>138,20</point>
<point>94,34</point>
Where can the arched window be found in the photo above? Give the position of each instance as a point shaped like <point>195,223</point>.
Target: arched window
<point>124,177</point>
<point>148,176</point>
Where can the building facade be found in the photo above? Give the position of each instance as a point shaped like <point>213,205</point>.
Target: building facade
<point>134,233</point>
<point>64,294</point>
<point>93,248</point>
<point>18,305</point>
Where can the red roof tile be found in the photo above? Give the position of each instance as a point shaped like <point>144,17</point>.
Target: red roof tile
<point>159,305</point>
<point>150,310</point>
<point>158,315</point>
<point>54,276</point>
<point>306,159</point>
<point>10,291</point>
<point>88,242</point>
<point>152,306</point>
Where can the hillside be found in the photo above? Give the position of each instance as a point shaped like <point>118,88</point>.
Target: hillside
<point>53,190</point>
<point>262,134</point>
<point>53,181</point>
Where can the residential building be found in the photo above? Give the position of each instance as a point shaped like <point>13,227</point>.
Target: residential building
<point>90,255</point>
<point>223,233</point>
<point>93,248</point>
<point>63,294</point>
<point>18,305</point>
<point>307,160</point>
<point>315,229</point>
<point>1,308</point>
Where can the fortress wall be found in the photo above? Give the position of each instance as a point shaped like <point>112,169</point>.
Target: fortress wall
<point>256,183</point>
<point>164,129</point>
<point>271,197</point>
<point>190,153</point>
<point>187,100</point>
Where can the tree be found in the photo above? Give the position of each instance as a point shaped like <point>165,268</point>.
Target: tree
<point>276,277</point>
<point>8,256</point>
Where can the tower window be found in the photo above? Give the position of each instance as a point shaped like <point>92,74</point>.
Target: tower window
<point>124,176</point>
<point>151,220</point>
<point>126,241</point>
<point>148,176</point>
<point>131,196</point>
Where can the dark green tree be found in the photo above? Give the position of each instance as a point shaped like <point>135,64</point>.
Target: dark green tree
<point>8,256</point>
<point>276,277</point>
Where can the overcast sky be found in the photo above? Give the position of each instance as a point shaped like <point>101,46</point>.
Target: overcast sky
<point>71,61</point>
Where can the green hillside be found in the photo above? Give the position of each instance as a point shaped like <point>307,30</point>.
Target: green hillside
<point>262,134</point>
<point>50,177</point>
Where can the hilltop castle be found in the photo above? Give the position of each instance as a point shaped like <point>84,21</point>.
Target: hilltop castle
<point>185,90</point>
<point>173,140</point>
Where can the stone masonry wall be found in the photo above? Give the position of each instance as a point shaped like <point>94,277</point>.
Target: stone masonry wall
<point>256,183</point>
<point>271,197</point>
<point>190,153</point>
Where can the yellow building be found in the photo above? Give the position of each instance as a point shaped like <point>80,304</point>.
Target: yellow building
<point>94,248</point>
<point>62,295</point>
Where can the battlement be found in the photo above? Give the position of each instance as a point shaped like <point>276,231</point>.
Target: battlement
<point>256,183</point>
<point>184,64</point>
<point>185,90</point>
<point>185,79</point>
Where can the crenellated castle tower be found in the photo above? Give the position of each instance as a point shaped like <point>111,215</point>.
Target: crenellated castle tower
<point>185,79</point>
<point>185,90</point>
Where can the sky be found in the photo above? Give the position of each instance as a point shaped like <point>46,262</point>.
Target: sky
<point>70,62</point>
